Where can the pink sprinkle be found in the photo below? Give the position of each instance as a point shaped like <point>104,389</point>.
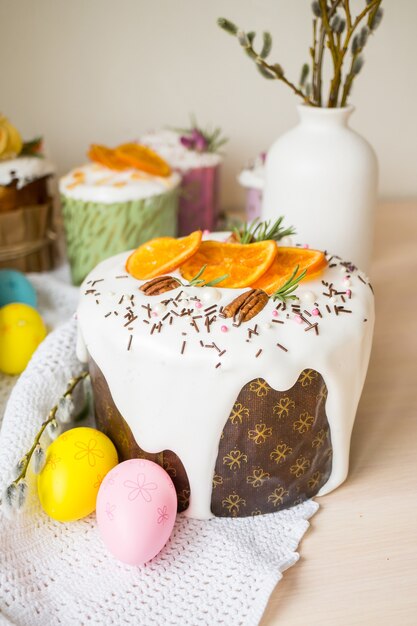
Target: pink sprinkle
<point>346,278</point>
<point>348,292</point>
<point>206,232</point>
<point>224,329</point>
<point>274,313</point>
<point>198,304</point>
<point>315,312</point>
<point>154,314</point>
<point>298,319</point>
<point>306,246</point>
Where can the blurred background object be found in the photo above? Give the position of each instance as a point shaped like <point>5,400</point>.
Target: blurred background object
<point>196,154</point>
<point>27,230</point>
<point>106,71</point>
<point>112,204</point>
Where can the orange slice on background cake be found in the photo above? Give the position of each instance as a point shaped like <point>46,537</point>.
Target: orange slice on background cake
<point>106,156</point>
<point>162,255</point>
<point>142,158</point>
<point>314,261</point>
<point>243,263</point>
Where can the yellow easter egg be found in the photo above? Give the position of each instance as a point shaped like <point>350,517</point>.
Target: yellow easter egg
<point>76,463</point>
<point>21,331</point>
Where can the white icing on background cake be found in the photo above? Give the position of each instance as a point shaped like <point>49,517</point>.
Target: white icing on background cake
<point>25,170</point>
<point>95,183</point>
<point>181,401</point>
<point>167,144</point>
<point>253,178</point>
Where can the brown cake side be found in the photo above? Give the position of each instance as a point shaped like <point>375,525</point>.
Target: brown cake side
<point>274,452</point>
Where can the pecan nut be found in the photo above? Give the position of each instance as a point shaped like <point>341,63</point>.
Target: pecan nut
<point>247,305</point>
<point>159,285</point>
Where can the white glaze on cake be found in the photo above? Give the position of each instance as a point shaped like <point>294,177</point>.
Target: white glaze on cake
<point>174,397</point>
<point>24,170</point>
<point>167,144</point>
<point>95,183</point>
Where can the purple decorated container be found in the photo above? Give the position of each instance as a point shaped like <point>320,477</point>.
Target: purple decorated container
<point>199,199</point>
<point>199,206</point>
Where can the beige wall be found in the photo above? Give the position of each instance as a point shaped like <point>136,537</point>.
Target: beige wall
<point>79,71</point>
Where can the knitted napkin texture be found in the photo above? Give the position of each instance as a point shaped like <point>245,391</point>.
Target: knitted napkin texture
<point>220,571</point>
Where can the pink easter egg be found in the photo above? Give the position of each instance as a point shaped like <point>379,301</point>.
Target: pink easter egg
<point>136,509</point>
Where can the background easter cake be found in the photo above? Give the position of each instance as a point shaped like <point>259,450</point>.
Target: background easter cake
<point>125,196</point>
<point>26,210</point>
<point>195,153</point>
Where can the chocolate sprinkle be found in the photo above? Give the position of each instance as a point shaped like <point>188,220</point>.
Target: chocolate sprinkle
<point>130,342</point>
<point>282,347</point>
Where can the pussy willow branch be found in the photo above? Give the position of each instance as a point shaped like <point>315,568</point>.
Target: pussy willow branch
<point>349,78</point>
<point>321,48</point>
<point>278,75</point>
<point>347,13</point>
<point>51,416</point>
<point>335,84</point>
<point>313,54</point>
<point>328,30</point>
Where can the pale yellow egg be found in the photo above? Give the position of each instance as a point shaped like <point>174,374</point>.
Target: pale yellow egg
<point>21,331</point>
<point>76,463</point>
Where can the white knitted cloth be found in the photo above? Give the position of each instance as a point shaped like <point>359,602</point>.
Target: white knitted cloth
<point>220,571</point>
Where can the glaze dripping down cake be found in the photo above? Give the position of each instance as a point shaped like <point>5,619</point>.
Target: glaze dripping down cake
<point>247,401</point>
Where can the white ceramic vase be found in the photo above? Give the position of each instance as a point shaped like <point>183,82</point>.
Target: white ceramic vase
<point>323,177</point>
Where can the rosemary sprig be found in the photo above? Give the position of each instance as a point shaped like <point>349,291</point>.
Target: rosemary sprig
<point>286,291</point>
<point>262,231</point>
<point>197,281</point>
<point>51,419</point>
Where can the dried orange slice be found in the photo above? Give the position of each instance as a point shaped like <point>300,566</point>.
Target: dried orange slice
<point>244,263</point>
<point>283,266</point>
<point>142,158</point>
<point>162,255</point>
<point>105,156</point>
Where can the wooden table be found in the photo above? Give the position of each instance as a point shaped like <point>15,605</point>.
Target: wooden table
<point>359,558</point>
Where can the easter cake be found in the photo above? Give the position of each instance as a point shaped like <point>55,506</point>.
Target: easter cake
<point>26,209</point>
<point>236,366</point>
<point>195,153</point>
<point>125,196</point>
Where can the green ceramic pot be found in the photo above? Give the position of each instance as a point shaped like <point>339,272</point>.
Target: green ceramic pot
<point>96,231</point>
